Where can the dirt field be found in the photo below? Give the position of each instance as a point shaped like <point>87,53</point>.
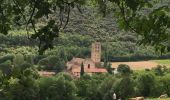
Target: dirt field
<point>139,65</point>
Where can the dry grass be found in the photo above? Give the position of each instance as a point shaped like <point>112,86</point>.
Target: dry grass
<point>138,65</point>
<point>159,99</point>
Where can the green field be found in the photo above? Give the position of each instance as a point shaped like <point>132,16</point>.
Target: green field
<point>163,62</point>
<point>158,99</point>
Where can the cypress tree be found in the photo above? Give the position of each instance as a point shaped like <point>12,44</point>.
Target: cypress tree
<point>109,68</point>
<point>82,70</point>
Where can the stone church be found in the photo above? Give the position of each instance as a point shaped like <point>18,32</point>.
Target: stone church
<point>74,66</point>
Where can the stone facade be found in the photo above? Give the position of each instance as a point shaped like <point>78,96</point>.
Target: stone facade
<point>88,63</point>
<point>96,52</point>
<point>76,62</point>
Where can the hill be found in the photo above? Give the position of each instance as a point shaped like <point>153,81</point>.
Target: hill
<point>83,29</point>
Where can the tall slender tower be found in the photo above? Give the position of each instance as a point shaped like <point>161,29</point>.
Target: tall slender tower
<point>96,52</point>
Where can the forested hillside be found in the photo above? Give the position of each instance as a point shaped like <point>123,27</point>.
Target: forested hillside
<point>84,27</point>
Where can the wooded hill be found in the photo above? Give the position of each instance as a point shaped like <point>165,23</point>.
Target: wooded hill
<point>84,28</point>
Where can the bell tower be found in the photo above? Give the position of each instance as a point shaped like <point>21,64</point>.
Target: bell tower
<point>96,52</point>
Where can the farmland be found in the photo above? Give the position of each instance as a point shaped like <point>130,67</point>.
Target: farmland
<point>141,65</point>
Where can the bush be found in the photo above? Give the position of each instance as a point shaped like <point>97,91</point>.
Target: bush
<point>18,60</point>
<point>159,70</point>
<point>52,63</point>
<point>146,82</point>
<point>57,88</point>
<point>7,57</point>
<point>6,68</point>
<point>165,80</point>
<point>124,69</point>
<point>122,90</point>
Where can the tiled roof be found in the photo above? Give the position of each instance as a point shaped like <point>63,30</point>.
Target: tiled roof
<point>46,73</point>
<point>78,60</point>
<point>90,70</point>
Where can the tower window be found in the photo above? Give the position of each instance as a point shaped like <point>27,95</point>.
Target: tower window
<point>88,65</point>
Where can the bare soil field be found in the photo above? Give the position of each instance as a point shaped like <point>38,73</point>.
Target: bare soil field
<point>138,65</point>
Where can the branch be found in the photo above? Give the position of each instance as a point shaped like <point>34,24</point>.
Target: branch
<point>61,18</point>
<point>24,17</point>
<point>68,13</point>
<point>30,19</point>
<point>122,9</point>
<point>68,16</point>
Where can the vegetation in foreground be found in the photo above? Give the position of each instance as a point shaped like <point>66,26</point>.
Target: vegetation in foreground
<point>20,81</point>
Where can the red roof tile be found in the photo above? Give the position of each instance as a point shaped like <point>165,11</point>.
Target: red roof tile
<point>46,73</point>
<point>90,70</point>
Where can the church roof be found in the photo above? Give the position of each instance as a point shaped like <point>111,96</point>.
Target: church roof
<point>46,73</point>
<point>77,60</point>
<point>90,70</point>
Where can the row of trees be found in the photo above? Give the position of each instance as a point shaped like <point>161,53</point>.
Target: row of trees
<point>20,81</point>
<point>23,83</point>
<point>79,46</point>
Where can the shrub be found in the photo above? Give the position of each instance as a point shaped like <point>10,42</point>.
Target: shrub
<point>18,60</point>
<point>6,68</point>
<point>7,57</point>
<point>146,81</point>
<point>124,69</point>
<point>165,80</point>
<point>122,90</point>
<point>159,70</point>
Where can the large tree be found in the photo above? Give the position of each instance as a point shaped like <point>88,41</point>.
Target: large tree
<point>148,18</point>
<point>27,13</point>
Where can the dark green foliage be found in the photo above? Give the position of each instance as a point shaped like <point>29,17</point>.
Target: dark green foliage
<point>24,83</point>
<point>6,68</point>
<point>109,68</point>
<point>124,69</point>
<point>26,12</point>
<point>52,63</point>
<point>38,58</point>
<point>145,83</point>
<point>57,88</point>
<point>122,90</point>
<point>21,85</point>
<point>7,57</point>
<point>82,70</point>
<point>166,83</point>
<point>46,36</point>
<point>159,70</point>
<point>107,89</point>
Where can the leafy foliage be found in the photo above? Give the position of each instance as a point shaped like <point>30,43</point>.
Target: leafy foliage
<point>124,69</point>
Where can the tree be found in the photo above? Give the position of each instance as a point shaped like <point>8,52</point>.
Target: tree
<point>82,69</point>
<point>18,60</point>
<point>22,84</point>
<point>26,12</point>
<point>57,88</point>
<point>146,82</point>
<point>122,90</point>
<point>52,63</point>
<point>7,57</point>
<point>166,83</point>
<point>159,70</point>
<point>124,69</point>
<point>109,68</point>
<point>106,88</point>
<point>150,19</point>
